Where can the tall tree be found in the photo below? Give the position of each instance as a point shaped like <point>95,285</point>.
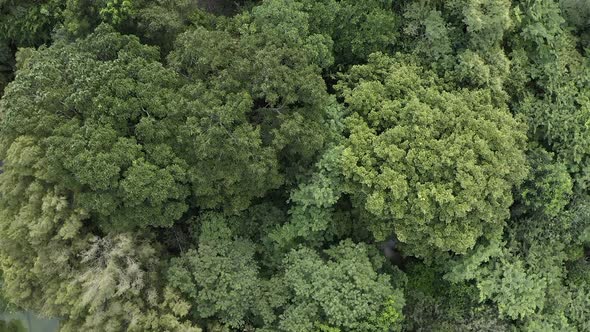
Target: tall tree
<point>435,166</point>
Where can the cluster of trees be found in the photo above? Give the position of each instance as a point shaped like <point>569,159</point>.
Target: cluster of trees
<point>296,165</point>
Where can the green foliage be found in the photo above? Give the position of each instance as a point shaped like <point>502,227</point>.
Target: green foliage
<point>329,165</point>
<point>548,187</point>
<point>436,166</point>
<point>28,23</point>
<point>5,305</point>
<point>271,62</point>
<point>6,65</point>
<point>358,28</point>
<point>116,11</point>
<point>435,304</point>
<point>326,328</point>
<point>578,308</point>
<point>556,103</point>
<point>221,277</point>
<point>24,23</point>
<point>132,169</point>
<point>160,22</point>
<point>155,22</point>
<point>108,172</point>
<point>343,292</point>
<point>577,14</point>
<point>461,40</point>
<point>12,326</point>
<point>525,276</point>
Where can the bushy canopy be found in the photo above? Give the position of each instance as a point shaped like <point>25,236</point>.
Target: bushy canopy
<point>435,165</point>
<point>296,165</point>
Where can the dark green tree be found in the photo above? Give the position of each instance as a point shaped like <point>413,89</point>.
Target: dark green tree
<point>577,14</point>
<point>357,28</point>
<point>527,276</point>
<point>272,63</point>
<point>548,187</point>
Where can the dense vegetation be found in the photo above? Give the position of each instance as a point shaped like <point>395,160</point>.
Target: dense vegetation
<point>296,165</point>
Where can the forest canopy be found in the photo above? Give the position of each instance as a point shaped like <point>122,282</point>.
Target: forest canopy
<point>296,165</point>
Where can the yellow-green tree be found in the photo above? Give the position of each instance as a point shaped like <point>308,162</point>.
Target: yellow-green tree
<point>434,165</point>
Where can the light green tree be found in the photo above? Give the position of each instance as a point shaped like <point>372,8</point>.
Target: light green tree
<point>344,292</point>
<point>435,166</point>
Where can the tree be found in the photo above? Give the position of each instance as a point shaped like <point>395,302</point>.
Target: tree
<point>549,80</point>
<point>461,40</point>
<point>345,292</point>
<point>547,189</point>
<point>24,24</point>
<point>296,165</point>
<point>577,14</point>
<point>118,287</point>
<point>435,166</point>
<point>221,277</point>
<point>526,276</point>
<point>107,170</point>
<point>28,23</point>
<point>147,147</point>
<point>435,304</point>
<point>154,22</point>
<point>357,28</point>
<point>272,63</point>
